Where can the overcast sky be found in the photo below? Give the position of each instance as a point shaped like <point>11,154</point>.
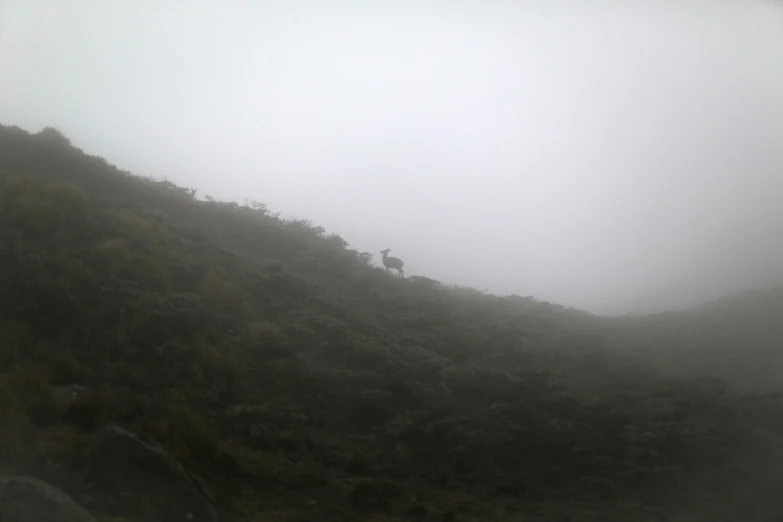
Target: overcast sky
<point>614,156</point>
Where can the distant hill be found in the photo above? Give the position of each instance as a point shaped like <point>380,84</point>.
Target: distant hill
<point>301,382</point>
<point>738,338</point>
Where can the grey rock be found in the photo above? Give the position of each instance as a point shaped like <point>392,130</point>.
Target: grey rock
<point>26,499</point>
<point>146,479</point>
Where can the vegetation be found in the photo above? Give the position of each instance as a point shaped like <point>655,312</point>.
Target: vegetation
<point>739,337</point>
<point>301,382</point>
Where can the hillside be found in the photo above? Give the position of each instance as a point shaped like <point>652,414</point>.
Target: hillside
<point>738,337</point>
<point>302,383</point>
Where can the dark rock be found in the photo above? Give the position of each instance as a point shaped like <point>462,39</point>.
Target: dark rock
<point>26,499</point>
<point>145,480</point>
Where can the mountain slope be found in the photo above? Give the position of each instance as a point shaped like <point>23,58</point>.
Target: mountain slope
<point>738,338</point>
<point>299,381</point>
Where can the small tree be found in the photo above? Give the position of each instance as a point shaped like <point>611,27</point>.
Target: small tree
<point>366,258</point>
<point>337,240</point>
<point>258,206</point>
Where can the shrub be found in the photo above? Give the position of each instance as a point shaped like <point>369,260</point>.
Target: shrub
<point>370,496</point>
<point>222,293</point>
<point>52,137</point>
<point>16,337</point>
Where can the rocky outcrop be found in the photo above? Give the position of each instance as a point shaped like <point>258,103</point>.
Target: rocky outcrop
<point>26,499</point>
<point>146,480</point>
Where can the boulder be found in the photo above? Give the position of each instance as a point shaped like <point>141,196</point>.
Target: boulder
<point>146,480</point>
<point>26,499</point>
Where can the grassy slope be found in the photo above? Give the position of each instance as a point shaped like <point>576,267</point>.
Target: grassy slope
<point>273,361</point>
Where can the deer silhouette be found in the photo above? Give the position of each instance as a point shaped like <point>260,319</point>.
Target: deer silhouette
<point>392,262</point>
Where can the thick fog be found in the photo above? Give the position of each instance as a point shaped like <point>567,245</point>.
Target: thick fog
<point>614,156</point>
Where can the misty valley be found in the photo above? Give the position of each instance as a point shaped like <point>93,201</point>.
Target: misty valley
<point>164,357</point>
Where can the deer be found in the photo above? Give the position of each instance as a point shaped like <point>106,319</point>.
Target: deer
<point>392,262</point>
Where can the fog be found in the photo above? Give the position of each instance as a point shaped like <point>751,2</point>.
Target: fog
<point>613,156</point>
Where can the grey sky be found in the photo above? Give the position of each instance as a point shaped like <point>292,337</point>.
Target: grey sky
<point>615,156</point>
